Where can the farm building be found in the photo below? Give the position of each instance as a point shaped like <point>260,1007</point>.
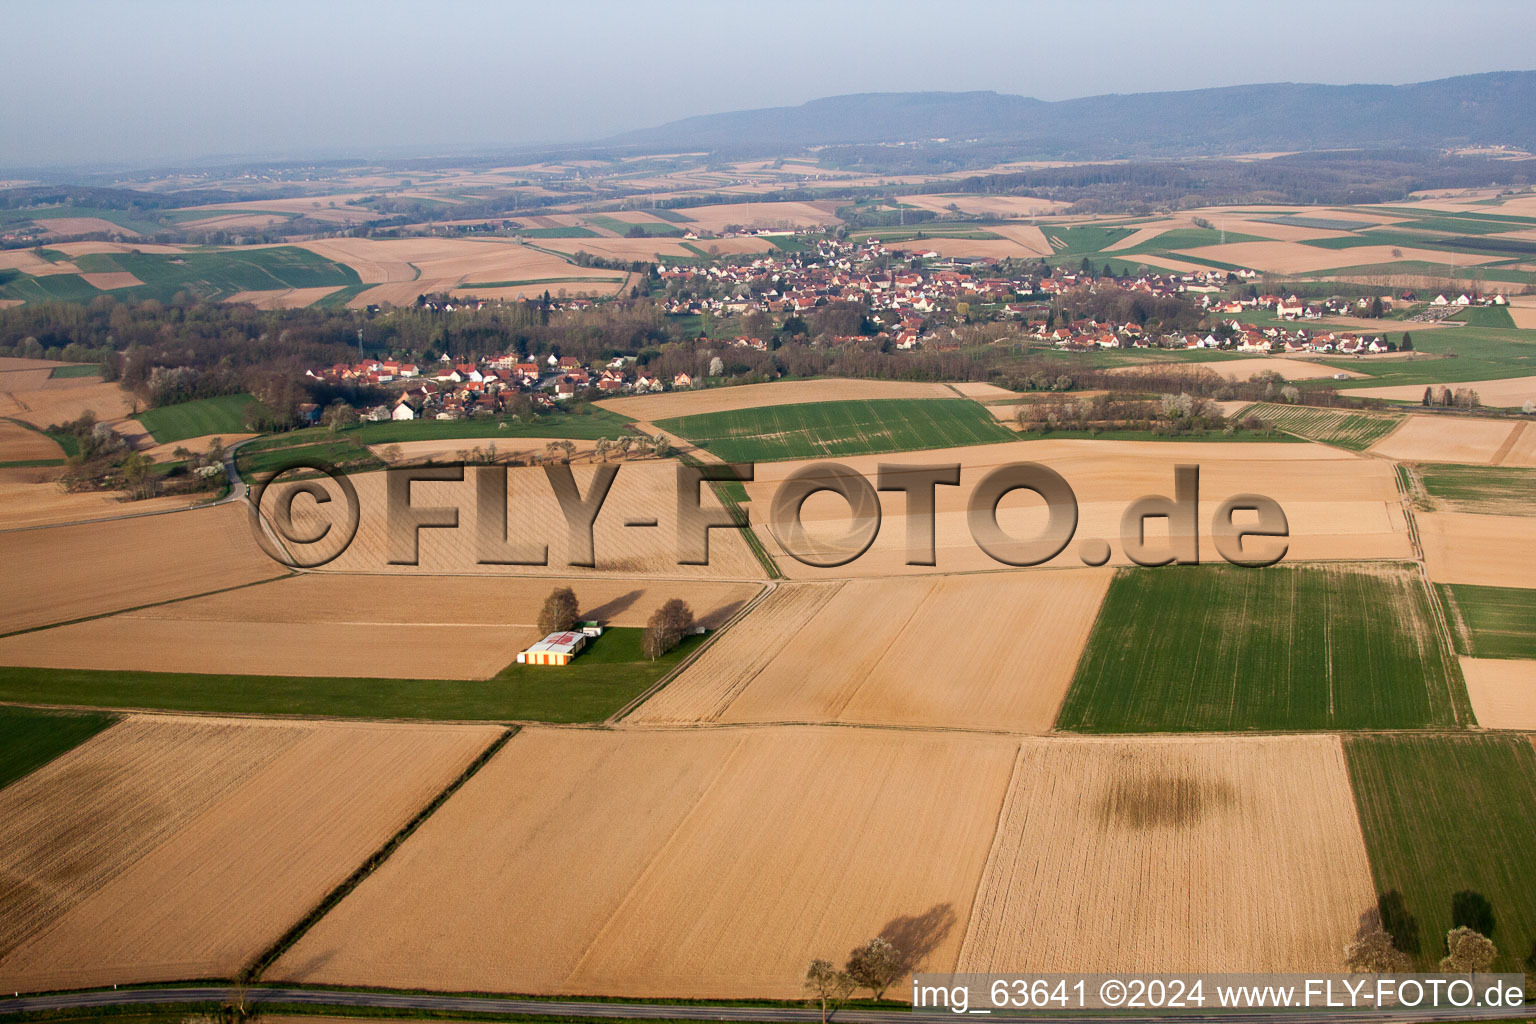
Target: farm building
<point>555,649</point>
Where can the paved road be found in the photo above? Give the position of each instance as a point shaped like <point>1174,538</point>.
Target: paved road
<point>653,1011</point>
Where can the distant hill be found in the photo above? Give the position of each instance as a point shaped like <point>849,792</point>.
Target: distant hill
<point>1494,108</point>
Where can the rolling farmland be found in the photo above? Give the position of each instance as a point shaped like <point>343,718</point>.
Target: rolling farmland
<point>1444,815</point>
<point>835,429</point>
<point>1221,648</point>
<point>1355,431</point>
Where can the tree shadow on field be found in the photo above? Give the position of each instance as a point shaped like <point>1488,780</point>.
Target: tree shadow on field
<point>917,937</point>
<point>611,608</point>
<point>1471,909</point>
<point>721,615</point>
<point>1391,913</point>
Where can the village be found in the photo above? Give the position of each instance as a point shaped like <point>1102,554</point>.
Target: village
<point>914,301</point>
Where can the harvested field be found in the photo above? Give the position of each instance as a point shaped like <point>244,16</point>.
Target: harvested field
<point>1509,393</point>
<point>983,392</point>
<point>108,281</point>
<point>970,248</point>
<point>1352,430</point>
<point>283,298</point>
<point>1297,258</point>
<point>69,572</point>
<point>1173,855</point>
<point>1431,438</point>
<point>32,497</point>
<point>1285,366</point>
<point>1219,648</point>
<point>890,635</point>
<point>63,226</point>
<point>1492,551</point>
<point>753,396</point>
<point>167,452</point>
<point>122,846</point>
<point>63,399</point>
<point>90,248</point>
<point>342,626</point>
<point>1338,505</point>
<point>1503,692</point>
<point>988,206</point>
<point>645,489</point>
<point>19,444</point>
<point>572,863</point>
<point>406,267</point>
<point>507,449</point>
<point>761,215</point>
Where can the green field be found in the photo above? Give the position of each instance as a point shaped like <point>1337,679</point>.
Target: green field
<point>219,273</point>
<point>1217,648</point>
<point>1353,430</point>
<point>605,677</point>
<point>198,418</point>
<point>269,455</point>
<point>833,429</point>
<point>1492,490</point>
<point>77,370</point>
<point>1444,815</point>
<point>14,284</point>
<point>589,424</point>
<point>1490,622</point>
<point>1188,238</point>
<point>623,227</point>
<point>1448,355</point>
<point>557,232</point>
<point>1485,316</point>
<point>30,738</point>
<point>1084,239</point>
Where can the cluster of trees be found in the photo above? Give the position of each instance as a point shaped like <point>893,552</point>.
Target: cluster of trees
<point>1169,414</point>
<point>666,628</point>
<point>875,965</point>
<point>103,461</point>
<point>1460,398</point>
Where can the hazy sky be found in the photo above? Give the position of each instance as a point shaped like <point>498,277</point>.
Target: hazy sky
<point>157,81</point>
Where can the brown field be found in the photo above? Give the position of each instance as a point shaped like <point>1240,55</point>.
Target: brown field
<point>84,226</point>
<point>654,248</point>
<point>283,298</point>
<point>86,248</point>
<point>651,408</point>
<point>1522,309</point>
<point>760,215</point>
<point>1295,258</point>
<point>559,289</point>
<point>1242,369</point>
<point>406,267</point>
<point>641,489</point>
<point>1503,692</point>
<point>992,206</point>
<point>968,248</point>
<point>1511,392</point>
<point>1495,551</point>
<point>891,637</point>
<point>25,381</point>
<point>167,451</point>
<point>1434,438</point>
<point>1339,505</point>
<point>1145,233</point>
<point>169,848</point>
<point>108,281</point>
<point>68,572</point>
<point>573,863</point>
<point>1278,232</point>
<point>25,260</point>
<point>47,402</point>
<point>506,449</point>
<point>32,497</point>
<point>983,392</point>
<point>1173,855</point>
<point>233,222</point>
<point>10,363</point>
<point>18,444</point>
<point>333,625</point>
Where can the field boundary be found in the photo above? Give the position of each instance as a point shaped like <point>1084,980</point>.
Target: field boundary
<point>254,969</point>
<point>142,607</point>
<point>682,666</point>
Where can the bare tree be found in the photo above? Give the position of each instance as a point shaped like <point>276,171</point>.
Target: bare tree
<point>666,628</point>
<point>827,985</point>
<point>876,965</point>
<point>559,611</point>
<point>1467,952</point>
